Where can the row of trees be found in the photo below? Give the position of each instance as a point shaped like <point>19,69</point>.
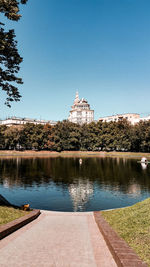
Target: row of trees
<point>112,136</point>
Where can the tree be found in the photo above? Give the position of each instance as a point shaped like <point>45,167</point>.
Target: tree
<point>11,138</point>
<point>66,136</point>
<point>2,137</point>
<point>9,55</point>
<point>48,136</point>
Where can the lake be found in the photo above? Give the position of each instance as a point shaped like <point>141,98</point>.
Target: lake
<point>67,184</point>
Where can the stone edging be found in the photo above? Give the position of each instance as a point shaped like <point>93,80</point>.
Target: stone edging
<point>10,227</point>
<point>123,255</point>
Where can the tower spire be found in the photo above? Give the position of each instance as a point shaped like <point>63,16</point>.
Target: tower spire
<point>77,97</point>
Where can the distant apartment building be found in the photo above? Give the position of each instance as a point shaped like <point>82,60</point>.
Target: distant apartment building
<point>14,121</point>
<point>80,111</point>
<point>133,118</point>
<point>145,118</point>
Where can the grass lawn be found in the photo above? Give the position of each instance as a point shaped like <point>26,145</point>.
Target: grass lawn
<point>8,214</point>
<point>133,225</point>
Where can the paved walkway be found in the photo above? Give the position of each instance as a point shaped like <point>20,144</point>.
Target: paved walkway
<point>57,239</point>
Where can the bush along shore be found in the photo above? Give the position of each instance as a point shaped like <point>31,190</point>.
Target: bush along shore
<point>67,136</point>
<point>133,225</point>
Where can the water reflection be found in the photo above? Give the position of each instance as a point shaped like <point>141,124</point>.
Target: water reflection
<point>80,161</point>
<point>65,184</point>
<point>134,190</point>
<point>80,193</point>
<point>144,165</point>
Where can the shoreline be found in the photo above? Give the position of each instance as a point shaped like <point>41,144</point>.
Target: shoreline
<point>78,154</point>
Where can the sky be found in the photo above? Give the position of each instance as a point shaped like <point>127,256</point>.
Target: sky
<point>99,47</point>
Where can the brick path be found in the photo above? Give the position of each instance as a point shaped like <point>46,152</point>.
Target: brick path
<point>57,239</point>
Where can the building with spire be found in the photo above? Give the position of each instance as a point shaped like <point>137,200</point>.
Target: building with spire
<point>80,111</point>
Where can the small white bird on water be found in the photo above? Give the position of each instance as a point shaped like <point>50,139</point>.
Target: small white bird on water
<point>80,161</point>
<point>143,160</point>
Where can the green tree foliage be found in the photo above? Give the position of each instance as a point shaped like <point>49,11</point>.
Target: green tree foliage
<point>65,135</point>
<point>2,136</point>
<point>48,137</point>
<point>11,138</point>
<point>144,136</point>
<point>9,55</point>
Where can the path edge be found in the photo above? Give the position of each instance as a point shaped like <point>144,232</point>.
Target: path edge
<point>123,255</point>
<point>12,226</point>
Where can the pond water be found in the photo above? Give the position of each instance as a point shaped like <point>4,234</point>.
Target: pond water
<point>67,184</point>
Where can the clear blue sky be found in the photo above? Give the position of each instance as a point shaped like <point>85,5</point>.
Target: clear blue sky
<point>100,47</point>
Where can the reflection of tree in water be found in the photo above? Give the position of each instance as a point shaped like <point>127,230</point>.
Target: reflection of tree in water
<point>108,173</point>
<point>80,193</point>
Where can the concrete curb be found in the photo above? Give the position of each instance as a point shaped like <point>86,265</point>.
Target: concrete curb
<point>123,255</point>
<point>10,227</point>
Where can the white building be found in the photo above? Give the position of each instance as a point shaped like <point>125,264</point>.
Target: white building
<point>145,118</point>
<point>131,117</point>
<point>14,121</point>
<point>81,112</point>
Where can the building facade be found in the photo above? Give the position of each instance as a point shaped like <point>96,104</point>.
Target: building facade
<point>131,117</point>
<point>145,118</point>
<point>80,111</point>
<point>14,121</point>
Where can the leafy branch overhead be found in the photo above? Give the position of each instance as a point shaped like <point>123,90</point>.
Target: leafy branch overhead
<point>9,56</point>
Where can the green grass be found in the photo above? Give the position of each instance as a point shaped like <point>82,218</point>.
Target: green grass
<point>133,225</point>
<point>8,214</point>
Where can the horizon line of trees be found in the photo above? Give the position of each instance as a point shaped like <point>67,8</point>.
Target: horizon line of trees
<point>65,135</point>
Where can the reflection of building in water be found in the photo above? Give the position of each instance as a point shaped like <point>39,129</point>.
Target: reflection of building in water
<point>134,189</point>
<point>80,193</point>
<point>6,183</point>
